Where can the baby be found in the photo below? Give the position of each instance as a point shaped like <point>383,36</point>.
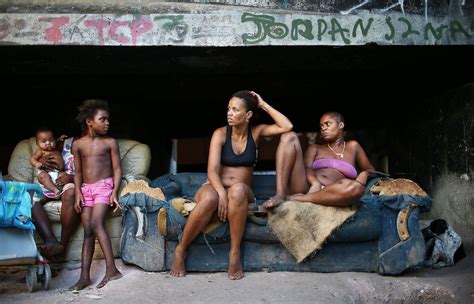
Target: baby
<point>47,175</point>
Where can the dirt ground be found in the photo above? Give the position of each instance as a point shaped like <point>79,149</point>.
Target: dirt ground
<point>447,285</point>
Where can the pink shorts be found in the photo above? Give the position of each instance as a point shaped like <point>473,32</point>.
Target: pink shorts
<point>98,192</point>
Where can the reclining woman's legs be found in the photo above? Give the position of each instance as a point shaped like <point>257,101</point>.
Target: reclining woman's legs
<point>207,201</point>
<point>344,192</point>
<point>290,170</point>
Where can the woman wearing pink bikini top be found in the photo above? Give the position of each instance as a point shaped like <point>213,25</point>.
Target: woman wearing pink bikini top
<point>326,174</point>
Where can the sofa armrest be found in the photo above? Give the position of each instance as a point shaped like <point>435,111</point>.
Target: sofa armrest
<point>401,244</point>
<point>135,157</point>
<point>19,166</point>
<point>128,178</point>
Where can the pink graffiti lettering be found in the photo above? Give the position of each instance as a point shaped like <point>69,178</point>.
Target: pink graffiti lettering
<point>54,34</point>
<point>99,25</point>
<point>140,27</point>
<point>113,32</point>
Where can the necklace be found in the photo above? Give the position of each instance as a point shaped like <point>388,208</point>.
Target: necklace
<point>341,155</point>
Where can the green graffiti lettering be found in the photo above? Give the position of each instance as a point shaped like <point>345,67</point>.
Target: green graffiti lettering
<point>336,28</point>
<point>322,27</point>
<point>456,27</point>
<point>437,33</point>
<point>306,33</point>
<point>409,31</point>
<point>174,21</point>
<point>390,35</point>
<point>364,30</point>
<point>176,25</point>
<point>266,25</point>
<point>277,30</point>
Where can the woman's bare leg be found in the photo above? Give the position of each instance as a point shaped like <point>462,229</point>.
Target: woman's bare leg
<point>344,192</point>
<point>238,196</point>
<point>70,219</point>
<point>207,200</point>
<point>51,246</point>
<point>290,171</point>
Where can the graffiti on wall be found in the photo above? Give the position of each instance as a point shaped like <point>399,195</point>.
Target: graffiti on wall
<point>232,29</point>
<point>388,29</point>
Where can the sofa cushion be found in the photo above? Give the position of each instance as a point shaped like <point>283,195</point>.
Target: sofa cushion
<point>364,226</point>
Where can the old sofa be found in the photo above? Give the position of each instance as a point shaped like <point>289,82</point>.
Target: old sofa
<point>135,159</point>
<point>383,236</point>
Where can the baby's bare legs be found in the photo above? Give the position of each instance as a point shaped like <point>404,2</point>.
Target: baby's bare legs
<point>47,182</point>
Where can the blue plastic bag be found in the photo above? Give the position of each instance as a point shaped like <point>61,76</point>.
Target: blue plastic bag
<point>15,205</point>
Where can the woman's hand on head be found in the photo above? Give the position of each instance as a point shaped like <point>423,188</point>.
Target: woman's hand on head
<point>261,102</point>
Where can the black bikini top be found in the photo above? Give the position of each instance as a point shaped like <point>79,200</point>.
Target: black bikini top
<point>247,158</point>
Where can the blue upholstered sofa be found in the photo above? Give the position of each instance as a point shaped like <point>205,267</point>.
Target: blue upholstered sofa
<point>383,236</point>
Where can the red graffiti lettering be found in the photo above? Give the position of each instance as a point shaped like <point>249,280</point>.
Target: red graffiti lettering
<point>140,27</point>
<point>99,25</point>
<point>113,32</point>
<point>54,34</point>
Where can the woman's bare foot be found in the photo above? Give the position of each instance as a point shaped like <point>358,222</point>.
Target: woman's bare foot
<point>81,284</point>
<point>109,277</point>
<point>178,269</point>
<point>51,249</point>
<point>295,197</point>
<point>273,202</point>
<point>235,267</point>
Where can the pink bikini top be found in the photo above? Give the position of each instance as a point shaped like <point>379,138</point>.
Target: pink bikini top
<point>344,167</point>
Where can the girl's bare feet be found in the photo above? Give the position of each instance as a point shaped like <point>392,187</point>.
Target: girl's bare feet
<point>81,284</point>
<point>109,277</point>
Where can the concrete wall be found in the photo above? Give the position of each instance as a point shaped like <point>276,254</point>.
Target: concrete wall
<point>245,23</point>
<point>454,8</point>
<point>453,190</point>
<point>443,159</point>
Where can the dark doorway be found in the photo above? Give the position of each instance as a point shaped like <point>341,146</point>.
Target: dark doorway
<point>379,89</point>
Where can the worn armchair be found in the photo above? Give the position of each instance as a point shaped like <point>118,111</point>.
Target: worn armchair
<point>135,159</point>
